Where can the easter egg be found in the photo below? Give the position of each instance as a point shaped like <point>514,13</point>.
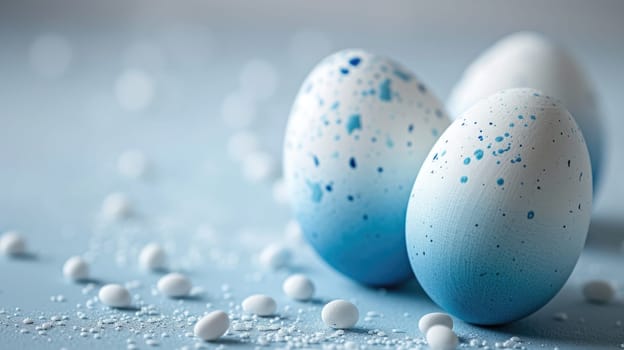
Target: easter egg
<point>358,132</point>
<point>530,60</point>
<point>500,210</point>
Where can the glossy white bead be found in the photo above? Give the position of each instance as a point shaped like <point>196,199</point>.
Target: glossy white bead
<point>212,326</point>
<point>261,305</point>
<point>340,314</point>
<point>434,319</point>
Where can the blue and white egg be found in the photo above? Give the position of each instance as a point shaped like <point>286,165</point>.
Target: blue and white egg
<point>530,60</point>
<point>358,132</point>
<point>500,210</point>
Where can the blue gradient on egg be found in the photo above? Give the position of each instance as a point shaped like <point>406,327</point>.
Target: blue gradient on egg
<point>498,244</point>
<point>350,162</point>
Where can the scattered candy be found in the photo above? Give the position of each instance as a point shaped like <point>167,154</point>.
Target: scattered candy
<point>76,268</point>
<point>174,285</point>
<point>442,338</point>
<point>212,326</point>
<point>598,292</point>
<point>12,243</point>
<point>275,256</point>
<point>261,305</point>
<point>153,257</point>
<point>298,287</point>
<point>114,295</point>
<point>340,314</point>
<point>434,319</point>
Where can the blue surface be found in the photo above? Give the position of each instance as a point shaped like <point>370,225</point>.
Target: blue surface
<point>60,140</point>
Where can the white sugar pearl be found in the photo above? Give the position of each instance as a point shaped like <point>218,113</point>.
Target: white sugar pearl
<point>132,164</point>
<point>114,295</point>
<point>442,338</point>
<point>12,243</point>
<point>116,206</point>
<point>174,285</point>
<point>340,314</point>
<point>434,319</point>
<point>261,305</point>
<point>153,257</point>
<point>598,292</point>
<point>76,268</point>
<point>275,256</point>
<point>298,287</point>
<point>212,326</point>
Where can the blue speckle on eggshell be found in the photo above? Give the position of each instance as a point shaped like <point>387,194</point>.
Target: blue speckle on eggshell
<point>494,260</point>
<point>370,136</point>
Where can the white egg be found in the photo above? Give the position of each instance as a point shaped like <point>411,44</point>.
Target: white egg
<point>358,132</point>
<point>530,60</point>
<point>500,210</point>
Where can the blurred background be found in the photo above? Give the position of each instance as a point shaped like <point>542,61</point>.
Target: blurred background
<point>200,91</point>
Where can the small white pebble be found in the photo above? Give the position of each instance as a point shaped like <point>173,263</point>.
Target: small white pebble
<point>12,243</point>
<point>261,305</point>
<point>174,285</point>
<point>115,295</point>
<point>28,320</point>
<point>153,257</point>
<point>298,287</point>
<point>440,337</point>
<point>212,326</point>
<point>116,206</point>
<point>132,164</point>
<point>76,268</point>
<point>434,319</point>
<point>340,314</point>
<point>275,256</point>
<point>598,292</point>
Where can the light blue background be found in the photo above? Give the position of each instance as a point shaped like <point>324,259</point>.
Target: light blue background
<point>59,143</point>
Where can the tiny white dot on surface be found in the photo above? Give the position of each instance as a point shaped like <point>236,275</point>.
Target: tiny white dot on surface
<point>134,90</point>
<point>51,55</point>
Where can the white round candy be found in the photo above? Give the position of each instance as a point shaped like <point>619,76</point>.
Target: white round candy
<point>598,292</point>
<point>174,285</point>
<point>298,287</point>
<point>114,295</point>
<point>212,326</point>
<point>441,338</point>
<point>76,268</point>
<point>261,305</point>
<point>275,256</point>
<point>153,257</point>
<point>12,243</point>
<point>132,164</point>
<point>434,319</point>
<point>116,206</point>
<point>340,314</point>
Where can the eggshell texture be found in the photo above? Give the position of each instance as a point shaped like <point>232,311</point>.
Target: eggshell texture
<point>500,209</point>
<point>530,60</point>
<point>358,132</point>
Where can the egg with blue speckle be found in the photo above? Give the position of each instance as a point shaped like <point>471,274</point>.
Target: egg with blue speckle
<point>530,60</point>
<point>500,210</point>
<point>358,132</point>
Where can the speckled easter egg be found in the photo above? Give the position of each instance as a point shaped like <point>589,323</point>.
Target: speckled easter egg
<point>500,209</point>
<point>358,132</point>
<point>530,60</point>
